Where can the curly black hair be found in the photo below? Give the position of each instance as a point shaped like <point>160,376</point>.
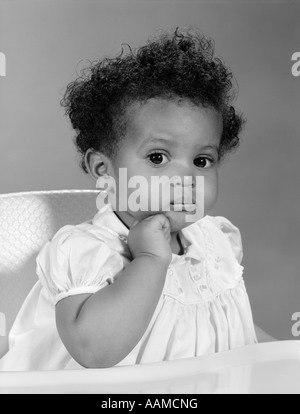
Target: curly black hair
<point>176,66</point>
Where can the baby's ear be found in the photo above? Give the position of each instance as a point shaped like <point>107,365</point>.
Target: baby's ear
<point>97,164</point>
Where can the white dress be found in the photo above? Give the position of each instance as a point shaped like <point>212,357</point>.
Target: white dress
<point>204,307</point>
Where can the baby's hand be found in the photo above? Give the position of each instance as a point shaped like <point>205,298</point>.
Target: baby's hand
<point>151,237</point>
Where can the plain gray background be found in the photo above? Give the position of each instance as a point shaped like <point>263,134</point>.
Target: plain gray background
<point>259,185</point>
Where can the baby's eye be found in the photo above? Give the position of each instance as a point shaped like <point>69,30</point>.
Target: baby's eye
<point>157,158</point>
<point>203,162</point>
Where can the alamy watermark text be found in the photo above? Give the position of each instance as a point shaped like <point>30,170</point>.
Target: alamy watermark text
<point>178,194</point>
<point>296,65</point>
<point>296,326</point>
<point>2,324</point>
<point>2,64</point>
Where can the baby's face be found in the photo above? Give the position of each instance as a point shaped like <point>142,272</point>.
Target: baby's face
<point>165,138</point>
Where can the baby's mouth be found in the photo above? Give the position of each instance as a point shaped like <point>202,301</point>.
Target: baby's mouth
<point>180,207</point>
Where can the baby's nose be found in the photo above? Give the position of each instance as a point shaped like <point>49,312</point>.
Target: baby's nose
<point>183,181</point>
<point>184,173</point>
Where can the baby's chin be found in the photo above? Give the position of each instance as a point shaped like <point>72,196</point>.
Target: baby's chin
<point>177,220</point>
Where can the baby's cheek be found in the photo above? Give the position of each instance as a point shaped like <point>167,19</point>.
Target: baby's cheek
<point>211,190</point>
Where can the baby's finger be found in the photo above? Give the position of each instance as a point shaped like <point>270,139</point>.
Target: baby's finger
<point>163,221</point>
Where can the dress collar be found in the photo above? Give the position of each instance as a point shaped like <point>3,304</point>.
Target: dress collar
<point>107,219</point>
<point>190,236</point>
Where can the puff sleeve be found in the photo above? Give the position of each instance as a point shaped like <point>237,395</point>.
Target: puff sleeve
<point>233,235</point>
<point>76,262</point>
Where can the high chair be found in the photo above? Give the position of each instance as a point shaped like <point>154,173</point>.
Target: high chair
<point>27,221</point>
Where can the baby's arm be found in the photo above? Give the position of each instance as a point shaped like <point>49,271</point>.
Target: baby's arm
<point>100,330</point>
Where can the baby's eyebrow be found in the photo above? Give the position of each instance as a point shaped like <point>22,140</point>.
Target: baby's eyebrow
<point>166,141</point>
<point>210,147</point>
<point>157,141</point>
